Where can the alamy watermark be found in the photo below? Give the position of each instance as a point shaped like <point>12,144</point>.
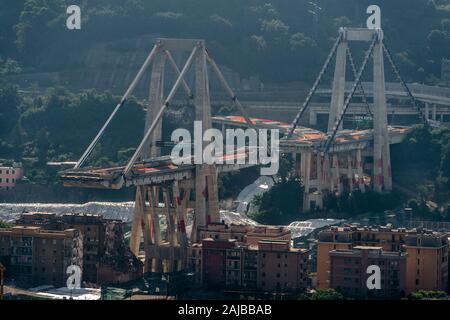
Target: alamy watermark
<point>374,280</point>
<point>374,21</point>
<point>241,147</point>
<point>73,21</point>
<point>74,279</point>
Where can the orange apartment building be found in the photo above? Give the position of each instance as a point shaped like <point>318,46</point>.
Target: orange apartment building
<point>426,253</point>
<point>427,263</point>
<point>348,271</point>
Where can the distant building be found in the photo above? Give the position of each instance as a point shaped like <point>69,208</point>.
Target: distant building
<point>250,235</point>
<point>426,253</point>
<point>348,271</point>
<point>34,256</point>
<point>9,175</point>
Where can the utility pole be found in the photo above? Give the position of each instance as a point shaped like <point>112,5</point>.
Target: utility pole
<point>314,11</point>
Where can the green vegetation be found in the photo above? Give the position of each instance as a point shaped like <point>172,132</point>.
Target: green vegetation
<point>230,184</point>
<point>422,165</point>
<point>4,224</point>
<point>58,125</point>
<point>428,295</point>
<point>357,202</point>
<point>274,39</point>
<point>322,295</point>
<point>421,162</point>
<point>281,204</point>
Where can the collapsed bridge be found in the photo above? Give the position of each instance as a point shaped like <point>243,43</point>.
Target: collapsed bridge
<point>333,162</point>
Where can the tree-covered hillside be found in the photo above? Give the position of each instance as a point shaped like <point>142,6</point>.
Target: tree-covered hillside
<point>278,40</point>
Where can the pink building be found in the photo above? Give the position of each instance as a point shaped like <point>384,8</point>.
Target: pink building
<point>10,175</point>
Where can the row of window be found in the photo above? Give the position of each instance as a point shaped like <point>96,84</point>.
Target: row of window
<point>8,171</point>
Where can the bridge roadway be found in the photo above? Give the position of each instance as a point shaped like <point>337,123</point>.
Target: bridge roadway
<point>161,170</point>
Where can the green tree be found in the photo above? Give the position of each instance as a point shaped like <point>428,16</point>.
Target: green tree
<point>326,294</point>
<point>4,224</point>
<point>428,295</point>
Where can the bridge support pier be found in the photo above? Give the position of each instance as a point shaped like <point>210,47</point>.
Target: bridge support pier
<point>382,158</point>
<point>338,91</point>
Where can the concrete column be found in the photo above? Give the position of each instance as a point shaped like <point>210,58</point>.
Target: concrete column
<point>336,174</point>
<point>434,112</point>
<point>360,171</point>
<point>153,252</point>
<point>156,100</point>
<point>319,172</point>
<point>338,91</point>
<point>180,201</point>
<point>294,161</point>
<point>312,118</point>
<point>350,174</point>
<point>382,160</point>
<point>206,203</point>
<point>326,173</point>
<point>306,169</point>
<point>306,177</point>
<point>136,227</point>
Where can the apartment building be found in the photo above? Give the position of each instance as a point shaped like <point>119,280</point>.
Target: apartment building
<point>427,264</point>
<point>270,266</point>
<point>348,271</point>
<point>9,175</point>
<point>94,229</point>
<point>280,267</point>
<point>33,256</point>
<point>426,253</point>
